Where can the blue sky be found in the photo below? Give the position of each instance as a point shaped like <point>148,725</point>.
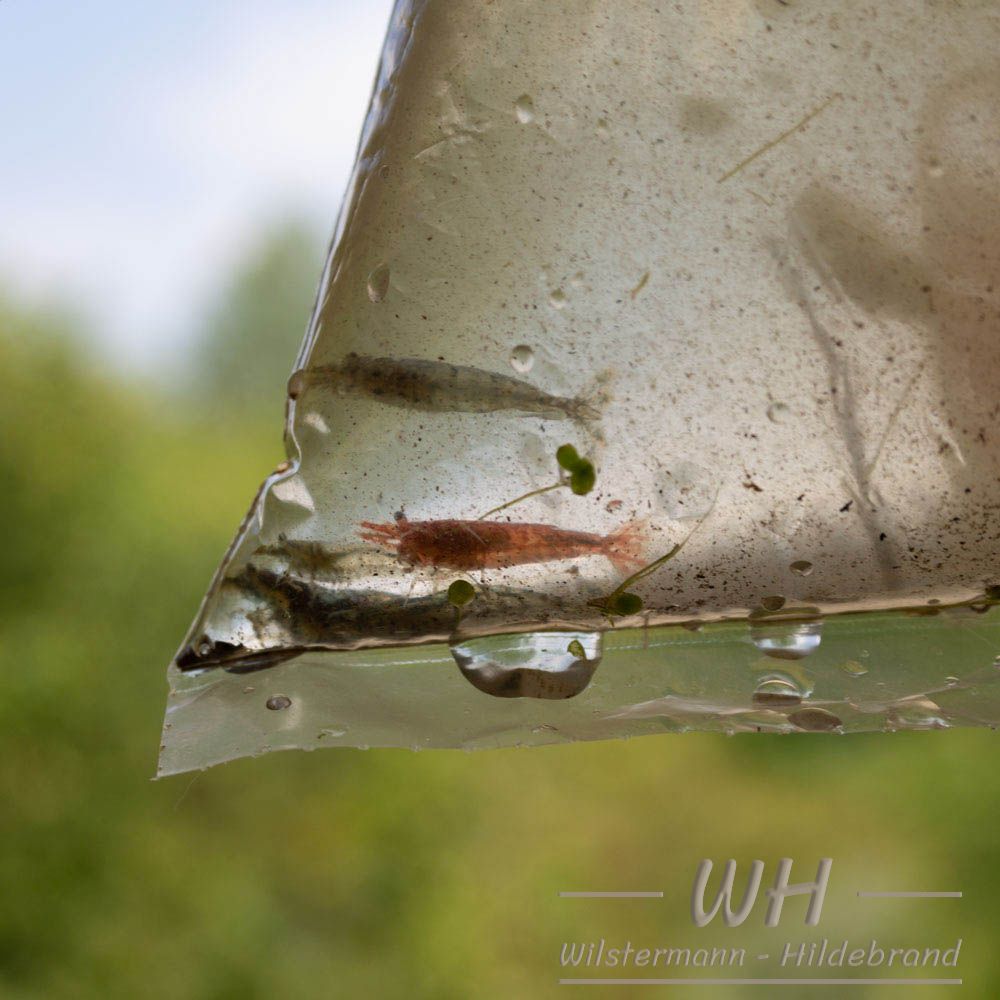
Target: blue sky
<point>144,143</point>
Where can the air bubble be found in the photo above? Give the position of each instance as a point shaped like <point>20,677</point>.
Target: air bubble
<point>522,358</point>
<point>278,702</point>
<point>802,567</point>
<point>378,283</point>
<point>775,602</point>
<point>524,108</point>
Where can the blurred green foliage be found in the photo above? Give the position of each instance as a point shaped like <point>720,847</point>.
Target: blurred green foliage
<point>253,330</point>
<point>380,873</point>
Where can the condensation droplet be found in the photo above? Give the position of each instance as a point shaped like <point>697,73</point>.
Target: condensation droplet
<point>378,283</point>
<point>853,668</point>
<point>778,413</point>
<point>776,691</point>
<point>557,299</point>
<point>802,567</point>
<point>786,640</point>
<point>815,720</point>
<point>522,358</point>
<point>685,489</point>
<point>524,108</point>
<point>278,702</point>
<point>530,664</point>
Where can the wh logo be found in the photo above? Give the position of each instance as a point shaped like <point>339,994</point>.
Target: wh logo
<point>776,894</point>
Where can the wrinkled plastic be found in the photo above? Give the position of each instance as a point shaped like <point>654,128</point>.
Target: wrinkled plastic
<point>760,303</point>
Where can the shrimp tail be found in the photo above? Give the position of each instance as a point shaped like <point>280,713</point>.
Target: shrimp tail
<point>589,406</point>
<point>624,547</point>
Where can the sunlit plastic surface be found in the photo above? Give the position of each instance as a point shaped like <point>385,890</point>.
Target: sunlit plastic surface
<point>760,303</point>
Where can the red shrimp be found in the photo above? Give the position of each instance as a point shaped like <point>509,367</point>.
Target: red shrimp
<point>472,545</point>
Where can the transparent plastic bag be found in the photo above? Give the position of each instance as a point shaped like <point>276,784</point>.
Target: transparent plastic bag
<point>758,304</point>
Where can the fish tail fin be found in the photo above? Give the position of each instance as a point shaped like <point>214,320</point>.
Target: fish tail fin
<point>589,406</point>
<point>625,546</point>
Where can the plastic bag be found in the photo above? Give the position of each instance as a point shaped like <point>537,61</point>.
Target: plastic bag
<point>653,383</point>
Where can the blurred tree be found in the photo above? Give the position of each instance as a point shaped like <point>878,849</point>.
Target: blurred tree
<point>253,332</point>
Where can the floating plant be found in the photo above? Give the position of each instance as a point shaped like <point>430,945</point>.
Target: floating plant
<point>581,478</point>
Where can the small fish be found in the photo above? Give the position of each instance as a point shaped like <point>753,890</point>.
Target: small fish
<point>472,545</point>
<point>438,387</point>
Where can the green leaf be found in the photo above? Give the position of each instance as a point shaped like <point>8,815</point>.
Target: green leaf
<point>460,593</point>
<point>625,604</point>
<point>583,478</point>
<point>567,457</point>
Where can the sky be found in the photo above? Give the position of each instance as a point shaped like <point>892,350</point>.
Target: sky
<point>143,144</point>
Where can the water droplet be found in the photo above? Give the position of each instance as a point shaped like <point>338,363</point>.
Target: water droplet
<point>378,283</point>
<point>785,640</point>
<point>777,691</point>
<point>778,413</point>
<point>686,490</point>
<point>557,299</point>
<point>530,664</point>
<point>916,713</point>
<point>815,720</point>
<point>853,668</point>
<point>802,567</point>
<point>278,702</point>
<point>524,108</point>
<point>773,603</point>
<point>522,358</point>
